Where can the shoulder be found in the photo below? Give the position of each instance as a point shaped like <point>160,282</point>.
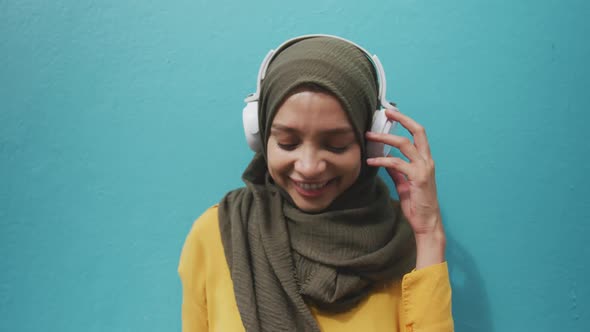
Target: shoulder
<point>202,240</point>
<point>204,227</point>
<point>205,223</point>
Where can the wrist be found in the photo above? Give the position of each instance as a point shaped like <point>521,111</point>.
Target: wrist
<point>430,248</point>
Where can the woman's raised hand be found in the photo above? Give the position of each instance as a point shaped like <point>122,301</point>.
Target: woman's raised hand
<point>416,186</point>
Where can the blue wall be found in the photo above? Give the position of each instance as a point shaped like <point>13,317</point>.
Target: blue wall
<point>120,123</point>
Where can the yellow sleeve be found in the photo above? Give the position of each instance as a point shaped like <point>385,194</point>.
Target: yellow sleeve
<point>192,271</point>
<point>426,300</point>
<point>194,314</point>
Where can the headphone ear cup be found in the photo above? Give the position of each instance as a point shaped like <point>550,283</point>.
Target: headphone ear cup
<point>251,130</point>
<point>381,125</point>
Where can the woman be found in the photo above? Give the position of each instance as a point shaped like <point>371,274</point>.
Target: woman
<point>314,242</point>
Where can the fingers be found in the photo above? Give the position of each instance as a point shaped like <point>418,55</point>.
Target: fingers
<point>402,143</point>
<point>420,173</point>
<point>401,183</point>
<point>414,128</point>
<point>394,163</point>
<point>402,186</point>
<point>420,168</point>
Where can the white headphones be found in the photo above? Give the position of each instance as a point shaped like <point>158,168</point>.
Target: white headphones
<point>381,124</point>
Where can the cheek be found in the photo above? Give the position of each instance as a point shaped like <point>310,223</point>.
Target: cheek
<point>277,160</point>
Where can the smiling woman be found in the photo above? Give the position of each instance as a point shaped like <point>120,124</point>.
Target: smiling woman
<point>314,242</point>
<point>313,153</point>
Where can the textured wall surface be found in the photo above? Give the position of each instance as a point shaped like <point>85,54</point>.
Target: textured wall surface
<point>120,124</point>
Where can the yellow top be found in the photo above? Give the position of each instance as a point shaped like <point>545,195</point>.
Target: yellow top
<point>420,302</point>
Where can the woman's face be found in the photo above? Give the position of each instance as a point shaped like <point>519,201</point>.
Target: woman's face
<point>312,151</point>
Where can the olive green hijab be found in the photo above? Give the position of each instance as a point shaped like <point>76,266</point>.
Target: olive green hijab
<point>283,260</point>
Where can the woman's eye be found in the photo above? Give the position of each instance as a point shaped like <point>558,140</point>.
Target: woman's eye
<point>337,149</point>
<point>287,147</point>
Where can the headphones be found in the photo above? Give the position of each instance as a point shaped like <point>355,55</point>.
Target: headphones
<point>381,124</point>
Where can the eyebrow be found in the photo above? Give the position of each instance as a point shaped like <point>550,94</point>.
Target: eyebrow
<point>332,131</point>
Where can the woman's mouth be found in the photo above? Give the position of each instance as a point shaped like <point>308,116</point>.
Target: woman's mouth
<point>311,189</point>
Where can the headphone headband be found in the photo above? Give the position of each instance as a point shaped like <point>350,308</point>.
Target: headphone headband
<point>382,82</point>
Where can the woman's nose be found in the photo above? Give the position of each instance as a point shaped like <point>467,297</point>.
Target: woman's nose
<point>309,163</point>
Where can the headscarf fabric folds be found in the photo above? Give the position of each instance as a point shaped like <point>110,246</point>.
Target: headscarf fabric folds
<point>283,260</point>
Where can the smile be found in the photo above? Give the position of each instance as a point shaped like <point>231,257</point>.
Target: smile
<point>309,189</point>
<point>311,186</point>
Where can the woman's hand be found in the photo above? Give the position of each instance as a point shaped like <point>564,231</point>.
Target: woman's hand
<point>416,187</point>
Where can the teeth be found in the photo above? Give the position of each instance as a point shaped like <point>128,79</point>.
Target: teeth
<point>311,186</point>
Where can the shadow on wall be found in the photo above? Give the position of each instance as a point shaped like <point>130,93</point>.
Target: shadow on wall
<point>471,307</point>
